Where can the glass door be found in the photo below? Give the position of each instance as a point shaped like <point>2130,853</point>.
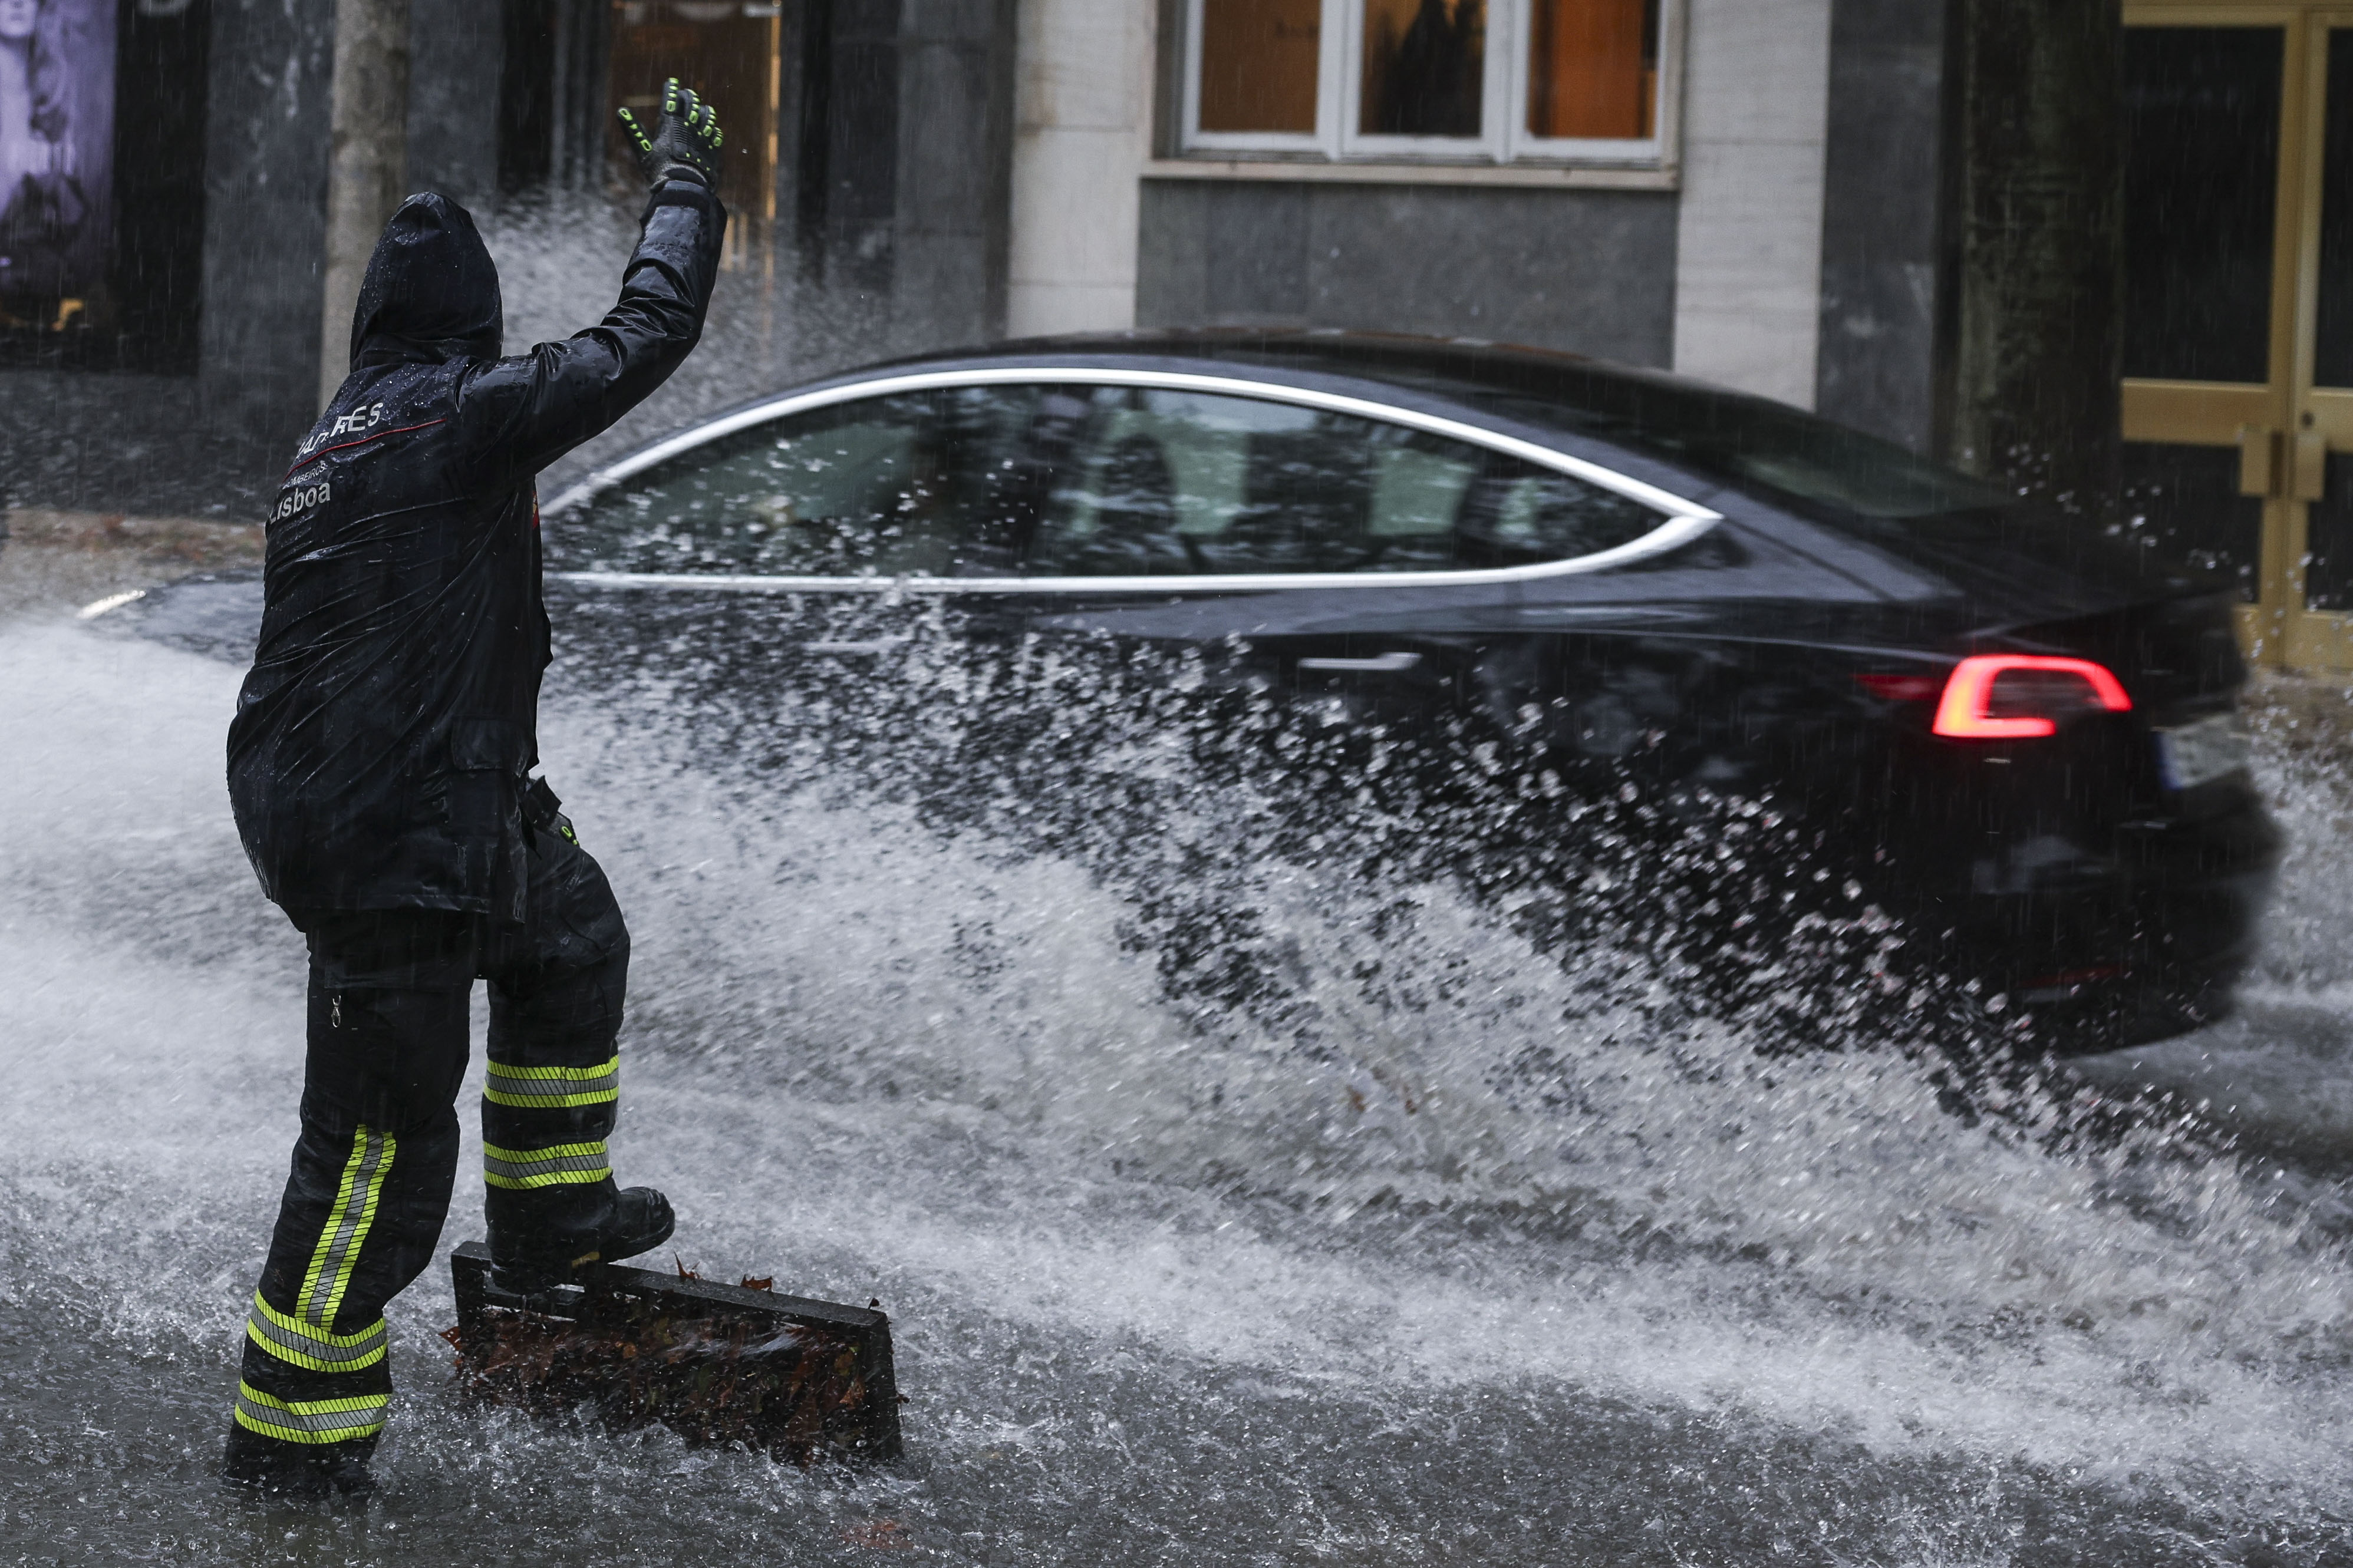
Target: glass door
<point>2238,345</point>
<point>2321,540</point>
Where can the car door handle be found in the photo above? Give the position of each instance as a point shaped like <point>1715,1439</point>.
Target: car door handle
<point>1379,664</point>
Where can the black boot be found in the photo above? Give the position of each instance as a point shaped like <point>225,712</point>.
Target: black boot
<point>276,1469</point>
<point>546,1237</point>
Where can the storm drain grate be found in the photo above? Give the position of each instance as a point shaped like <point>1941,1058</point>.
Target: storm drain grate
<point>716,1363</point>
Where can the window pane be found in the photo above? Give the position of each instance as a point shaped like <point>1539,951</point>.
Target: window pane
<point>1425,67</point>
<point>1520,515</point>
<point>1260,61</point>
<point>2201,167</point>
<point>1593,70</point>
<point>924,485</point>
<point>1165,483</point>
<point>2333,351</point>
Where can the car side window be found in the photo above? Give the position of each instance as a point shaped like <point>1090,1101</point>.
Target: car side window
<point>1141,481</point>
<point>920,484</point>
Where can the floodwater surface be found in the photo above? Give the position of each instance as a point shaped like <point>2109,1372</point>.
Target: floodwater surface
<point>1511,1268</point>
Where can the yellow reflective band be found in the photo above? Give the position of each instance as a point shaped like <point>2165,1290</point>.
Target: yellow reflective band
<point>553,1088</point>
<point>566,1164</point>
<point>338,1251</point>
<point>310,1420</point>
<point>297,1344</point>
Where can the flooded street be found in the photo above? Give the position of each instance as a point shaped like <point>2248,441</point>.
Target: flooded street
<point>1164,1293</point>
<point>1177,623</point>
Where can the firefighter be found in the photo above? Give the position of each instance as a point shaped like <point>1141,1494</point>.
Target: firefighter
<point>379,764</point>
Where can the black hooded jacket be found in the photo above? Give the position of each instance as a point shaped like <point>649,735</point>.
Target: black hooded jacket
<point>379,741</point>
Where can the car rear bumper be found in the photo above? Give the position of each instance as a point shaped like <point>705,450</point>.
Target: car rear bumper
<point>2126,948</point>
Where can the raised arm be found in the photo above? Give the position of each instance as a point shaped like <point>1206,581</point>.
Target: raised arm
<point>520,415</point>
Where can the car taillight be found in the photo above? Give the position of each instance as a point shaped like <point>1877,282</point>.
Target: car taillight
<point>2018,697</point>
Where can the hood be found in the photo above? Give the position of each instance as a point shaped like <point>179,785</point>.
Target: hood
<point>431,291</point>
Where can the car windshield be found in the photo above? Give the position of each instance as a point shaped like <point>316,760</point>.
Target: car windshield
<point>1756,446</point>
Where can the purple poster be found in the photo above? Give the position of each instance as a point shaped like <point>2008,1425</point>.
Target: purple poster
<point>57,147</point>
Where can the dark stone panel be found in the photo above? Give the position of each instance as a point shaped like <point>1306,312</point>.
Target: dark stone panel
<point>1255,254</point>
<point>265,211</point>
<point>157,277</point>
<point>952,21</point>
<point>847,179</point>
<point>584,56</point>
<point>939,294</point>
<point>1591,271</point>
<point>1881,218</point>
<point>903,136</point>
<point>211,443</point>
<point>955,171</point>
<point>527,95</point>
<point>2038,213</point>
<point>862,128</point>
<point>871,18</point>
<point>864,131</point>
<point>792,112</point>
<point>1172,259</point>
<point>457,51</point>
<point>943,87</point>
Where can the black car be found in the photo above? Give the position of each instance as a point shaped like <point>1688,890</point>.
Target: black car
<point>2019,724</point>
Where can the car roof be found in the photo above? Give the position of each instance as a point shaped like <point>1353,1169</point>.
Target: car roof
<point>1504,387</point>
<point>1449,377</point>
<point>1456,366</point>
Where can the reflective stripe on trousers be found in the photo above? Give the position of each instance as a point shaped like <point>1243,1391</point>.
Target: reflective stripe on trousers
<point>313,1421</point>
<point>553,1088</point>
<point>347,1228</point>
<point>566,1164</point>
<point>299,1344</point>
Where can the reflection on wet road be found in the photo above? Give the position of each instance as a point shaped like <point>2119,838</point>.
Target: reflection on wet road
<point>1166,1294</point>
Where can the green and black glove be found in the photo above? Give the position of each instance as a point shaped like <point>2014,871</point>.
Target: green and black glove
<point>685,141</point>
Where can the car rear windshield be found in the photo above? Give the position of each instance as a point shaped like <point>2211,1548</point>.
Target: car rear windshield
<point>1756,446</point>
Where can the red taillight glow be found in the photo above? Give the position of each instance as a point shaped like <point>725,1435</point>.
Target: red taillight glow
<point>1966,711</point>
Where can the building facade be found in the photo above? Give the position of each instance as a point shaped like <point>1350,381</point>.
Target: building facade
<point>2087,249</point>
<point>1687,232</point>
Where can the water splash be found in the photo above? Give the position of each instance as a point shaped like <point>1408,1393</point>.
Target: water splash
<point>899,1039</point>
<point>560,255</point>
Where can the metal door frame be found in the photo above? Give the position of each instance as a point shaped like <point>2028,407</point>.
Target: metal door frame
<point>2285,428</point>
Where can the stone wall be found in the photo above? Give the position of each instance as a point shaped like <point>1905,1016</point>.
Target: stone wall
<point>1082,135</point>
<point>1884,301</point>
<point>1590,271</point>
<point>1748,245</point>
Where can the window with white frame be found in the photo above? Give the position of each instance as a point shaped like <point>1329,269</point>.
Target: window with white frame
<point>1564,81</point>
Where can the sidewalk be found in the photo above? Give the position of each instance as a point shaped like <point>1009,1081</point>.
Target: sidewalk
<point>58,561</point>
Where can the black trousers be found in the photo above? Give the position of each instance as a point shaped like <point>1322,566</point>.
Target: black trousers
<point>378,1152</point>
